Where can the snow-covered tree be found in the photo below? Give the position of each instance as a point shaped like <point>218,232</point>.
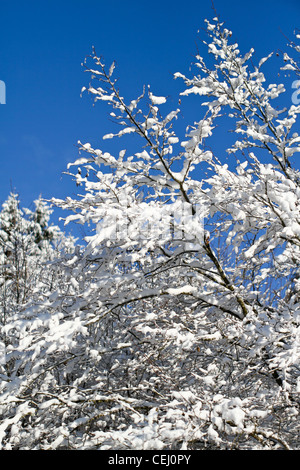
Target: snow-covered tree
<point>177,326</point>
<point>27,243</point>
<point>13,268</point>
<point>39,223</point>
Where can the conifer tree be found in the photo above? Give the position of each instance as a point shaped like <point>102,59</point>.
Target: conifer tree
<point>27,242</point>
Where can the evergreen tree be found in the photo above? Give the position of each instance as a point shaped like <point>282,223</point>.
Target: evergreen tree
<point>27,242</point>
<point>39,223</point>
<point>13,246</point>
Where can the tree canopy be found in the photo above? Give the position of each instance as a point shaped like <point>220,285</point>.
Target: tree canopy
<point>176,324</point>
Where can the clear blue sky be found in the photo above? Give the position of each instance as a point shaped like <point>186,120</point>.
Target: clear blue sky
<point>42,46</point>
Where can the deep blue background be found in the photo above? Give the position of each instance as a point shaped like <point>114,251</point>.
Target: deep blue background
<point>42,46</point>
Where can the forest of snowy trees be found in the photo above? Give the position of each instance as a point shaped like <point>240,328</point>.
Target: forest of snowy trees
<point>175,323</point>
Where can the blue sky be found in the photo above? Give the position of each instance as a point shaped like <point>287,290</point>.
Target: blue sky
<point>42,46</point>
